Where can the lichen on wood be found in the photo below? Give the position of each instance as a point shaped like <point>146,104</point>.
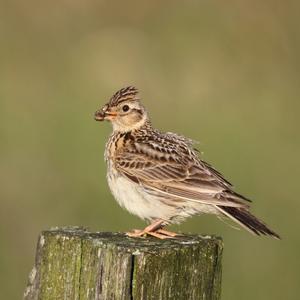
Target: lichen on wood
<point>72,263</point>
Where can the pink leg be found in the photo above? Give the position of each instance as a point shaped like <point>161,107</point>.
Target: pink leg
<point>150,228</point>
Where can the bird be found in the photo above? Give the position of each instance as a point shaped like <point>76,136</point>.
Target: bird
<point>160,176</point>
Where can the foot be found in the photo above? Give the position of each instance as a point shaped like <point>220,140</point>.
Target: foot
<point>167,233</point>
<point>155,230</point>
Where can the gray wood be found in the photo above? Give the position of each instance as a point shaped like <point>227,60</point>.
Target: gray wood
<point>72,263</point>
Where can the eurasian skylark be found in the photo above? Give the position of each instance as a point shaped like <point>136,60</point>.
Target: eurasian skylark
<point>160,177</point>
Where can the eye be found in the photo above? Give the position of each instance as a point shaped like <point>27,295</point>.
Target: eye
<point>125,108</point>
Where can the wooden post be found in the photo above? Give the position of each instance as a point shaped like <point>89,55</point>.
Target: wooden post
<point>72,263</point>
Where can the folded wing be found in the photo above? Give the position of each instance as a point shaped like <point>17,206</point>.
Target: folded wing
<point>177,173</point>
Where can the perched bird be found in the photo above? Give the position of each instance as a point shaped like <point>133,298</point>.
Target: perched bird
<point>160,177</point>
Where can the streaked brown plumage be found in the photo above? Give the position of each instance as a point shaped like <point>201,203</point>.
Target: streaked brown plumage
<point>160,177</point>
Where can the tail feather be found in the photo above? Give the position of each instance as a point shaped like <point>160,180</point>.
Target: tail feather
<point>247,220</point>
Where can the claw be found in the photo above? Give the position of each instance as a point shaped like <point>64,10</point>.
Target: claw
<point>136,233</point>
<point>159,236</point>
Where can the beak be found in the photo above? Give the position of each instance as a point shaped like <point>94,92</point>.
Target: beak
<point>101,115</point>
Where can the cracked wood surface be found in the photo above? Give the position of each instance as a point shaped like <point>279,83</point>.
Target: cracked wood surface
<point>73,263</point>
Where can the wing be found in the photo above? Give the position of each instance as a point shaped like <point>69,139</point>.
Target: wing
<point>174,170</point>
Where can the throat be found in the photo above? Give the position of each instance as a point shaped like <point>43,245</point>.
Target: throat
<point>123,128</point>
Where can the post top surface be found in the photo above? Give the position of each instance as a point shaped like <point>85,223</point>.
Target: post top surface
<point>122,241</point>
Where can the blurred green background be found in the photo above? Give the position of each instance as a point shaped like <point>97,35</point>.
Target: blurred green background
<point>225,73</point>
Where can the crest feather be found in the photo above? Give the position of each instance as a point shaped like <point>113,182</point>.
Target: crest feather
<point>125,94</point>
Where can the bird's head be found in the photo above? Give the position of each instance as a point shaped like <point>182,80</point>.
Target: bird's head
<point>124,110</point>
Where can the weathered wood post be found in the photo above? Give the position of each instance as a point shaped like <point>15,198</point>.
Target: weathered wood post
<point>72,263</point>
